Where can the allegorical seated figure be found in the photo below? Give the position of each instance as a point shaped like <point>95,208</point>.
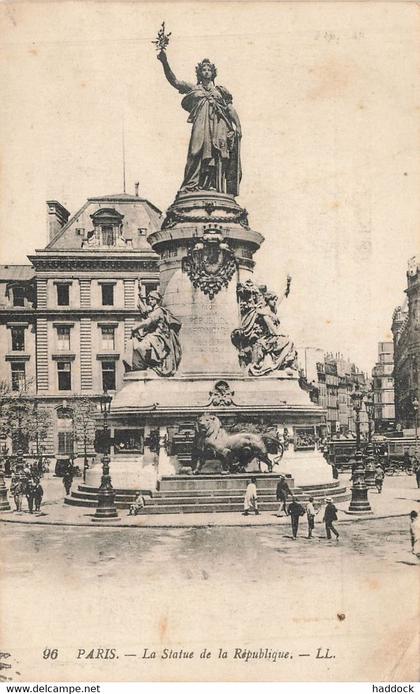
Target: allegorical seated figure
<point>155,343</point>
<point>263,347</point>
<point>213,160</point>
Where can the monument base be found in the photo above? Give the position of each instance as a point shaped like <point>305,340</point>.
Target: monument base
<point>215,493</point>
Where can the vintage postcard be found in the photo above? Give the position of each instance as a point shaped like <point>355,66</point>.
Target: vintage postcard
<point>209,341</point>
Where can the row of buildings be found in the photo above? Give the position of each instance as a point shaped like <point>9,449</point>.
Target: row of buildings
<point>394,382</point>
<point>406,334</point>
<point>333,379</point>
<point>66,319</point>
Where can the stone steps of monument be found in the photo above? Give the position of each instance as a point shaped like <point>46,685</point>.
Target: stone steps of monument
<point>233,507</point>
<point>93,502</point>
<point>174,493</point>
<point>126,496</point>
<point>199,500</point>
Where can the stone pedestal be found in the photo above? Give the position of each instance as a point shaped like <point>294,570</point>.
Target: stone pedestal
<point>206,249</point>
<point>214,224</point>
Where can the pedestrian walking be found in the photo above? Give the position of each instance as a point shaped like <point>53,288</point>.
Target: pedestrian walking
<point>38,494</point>
<point>379,478</point>
<point>250,500</point>
<point>30,494</point>
<point>310,514</point>
<point>415,533</point>
<point>330,515</point>
<point>282,492</point>
<point>68,480</point>
<point>295,511</point>
<point>16,488</point>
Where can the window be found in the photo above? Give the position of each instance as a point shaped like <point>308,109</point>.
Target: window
<point>108,235</point>
<point>18,296</point>
<point>63,294</point>
<point>65,438</point>
<point>18,339</point>
<point>107,294</point>
<point>64,375</point>
<point>108,337</point>
<point>63,337</point>
<point>18,375</point>
<point>108,375</point>
<point>65,442</point>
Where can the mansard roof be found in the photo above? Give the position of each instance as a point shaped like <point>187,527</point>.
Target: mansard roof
<point>139,218</point>
<point>16,273</point>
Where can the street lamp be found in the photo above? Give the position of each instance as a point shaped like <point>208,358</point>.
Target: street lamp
<point>370,409</point>
<point>19,410</point>
<point>415,404</point>
<point>359,503</point>
<point>106,508</point>
<point>357,401</point>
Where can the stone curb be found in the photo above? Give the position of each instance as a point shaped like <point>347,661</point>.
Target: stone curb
<point>200,524</point>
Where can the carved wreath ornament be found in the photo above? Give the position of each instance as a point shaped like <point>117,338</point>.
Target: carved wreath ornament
<point>210,263</point>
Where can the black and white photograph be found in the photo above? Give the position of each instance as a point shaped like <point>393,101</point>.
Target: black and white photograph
<point>209,342</point>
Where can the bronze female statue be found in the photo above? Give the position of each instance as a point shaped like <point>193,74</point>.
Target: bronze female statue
<point>213,161</point>
<point>155,342</point>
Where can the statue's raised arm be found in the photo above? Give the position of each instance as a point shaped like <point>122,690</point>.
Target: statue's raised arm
<point>182,87</point>
<point>213,160</point>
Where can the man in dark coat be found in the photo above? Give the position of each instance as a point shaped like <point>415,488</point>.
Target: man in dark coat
<point>38,494</point>
<point>30,494</point>
<point>68,480</point>
<point>330,515</point>
<point>282,492</point>
<point>295,511</point>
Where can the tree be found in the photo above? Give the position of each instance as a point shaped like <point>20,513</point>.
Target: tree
<point>22,418</point>
<point>84,412</point>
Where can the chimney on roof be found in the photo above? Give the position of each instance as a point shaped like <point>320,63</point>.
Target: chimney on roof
<point>57,217</point>
<point>136,189</point>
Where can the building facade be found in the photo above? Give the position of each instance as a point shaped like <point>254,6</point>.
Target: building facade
<point>66,319</point>
<point>335,379</point>
<point>406,333</point>
<point>383,388</point>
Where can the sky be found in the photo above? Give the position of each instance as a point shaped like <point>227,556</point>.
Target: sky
<point>326,93</point>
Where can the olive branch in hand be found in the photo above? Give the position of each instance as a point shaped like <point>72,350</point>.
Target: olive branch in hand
<point>162,39</point>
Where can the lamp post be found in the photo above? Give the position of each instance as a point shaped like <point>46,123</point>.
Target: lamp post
<point>357,401</point>
<point>106,508</point>
<point>415,404</point>
<point>359,503</point>
<point>370,409</point>
<point>19,409</point>
<point>4,503</point>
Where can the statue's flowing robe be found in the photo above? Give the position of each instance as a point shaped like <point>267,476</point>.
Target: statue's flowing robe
<point>156,345</point>
<point>213,159</point>
<point>261,327</point>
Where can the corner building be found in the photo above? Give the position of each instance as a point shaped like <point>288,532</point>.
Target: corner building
<point>406,333</point>
<point>78,306</point>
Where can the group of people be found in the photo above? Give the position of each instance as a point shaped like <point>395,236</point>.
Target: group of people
<point>26,483</point>
<point>294,509</point>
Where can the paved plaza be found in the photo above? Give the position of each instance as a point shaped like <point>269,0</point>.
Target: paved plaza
<point>204,586</point>
<point>400,496</point>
